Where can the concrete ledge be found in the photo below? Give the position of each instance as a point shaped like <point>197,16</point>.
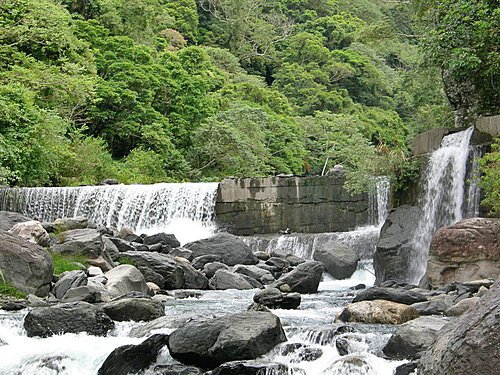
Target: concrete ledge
<point>428,141</point>
<point>489,125</point>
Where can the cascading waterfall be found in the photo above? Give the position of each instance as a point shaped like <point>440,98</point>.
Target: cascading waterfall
<point>185,209</point>
<point>378,200</point>
<point>473,191</point>
<point>443,196</point>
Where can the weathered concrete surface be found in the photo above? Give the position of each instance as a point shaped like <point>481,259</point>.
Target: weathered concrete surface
<point>428,141</point>
<point>303,204</point>
<point>489,125</point>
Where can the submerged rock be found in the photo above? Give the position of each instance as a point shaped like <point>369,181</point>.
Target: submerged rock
<point>470,344</point>
<point>67,318</point>
<point>378,312</point>
<point>129,359</point>
<point>208,344</point>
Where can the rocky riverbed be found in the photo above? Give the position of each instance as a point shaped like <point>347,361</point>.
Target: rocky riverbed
<point>144,304</point>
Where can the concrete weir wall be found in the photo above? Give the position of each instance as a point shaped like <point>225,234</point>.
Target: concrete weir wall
<point>316,204</point>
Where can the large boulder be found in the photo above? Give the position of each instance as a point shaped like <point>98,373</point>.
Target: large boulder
<point>65,224</point>
<point>230,248</point>
<point>304,278</point>
<point>68,280</point>
<point>125,279</point>
<point>413,337</point>
<point>208,344</point>
<point>162,238</point>
<point>465,251</point>
<point>32,231</point>
<point>136,309</point>
<point>378,312</point>
<point>25,265</point>
<point>80,241</point>
<point>339,260</point>
<point>394,248</point>
<point>9,219</point>
<point>224,279</point>
<point>408,297</point>
<point>470,344</point>
<point>132,359</point>
<point>167,272</point>
<point>67,318</point>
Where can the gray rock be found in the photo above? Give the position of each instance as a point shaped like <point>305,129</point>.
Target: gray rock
<point>253,368</point>
<point>67,318</point>
<point>300,352</point>
<point>110,249</point>
<point>136,309</point>
<point>413,337</point>
<point>275,299</point>
<point>9,219</point>
<point>80,241</point>
<point>68,280</point>
<point>339,260</point>
<point>262,255</point>
<point>177,370</point>
<point>193,279</point>
<point>132,359</point>
<point>125,279</point>
<point>208,344</point>
<point>181,252</point>
<point>123,245</point>
<point>210,268</point>
<point>224,279</point>
<point>304,278</point>
<point>259,274</point>
<point>200,262</point>
<point>406,369</point>
<point>163,238</point>
<point>230,248</point>
<point>32,231</point>
<point>254,283</point>
<point>436,305</point>
<point>25,265</point>
<point>470,343</point>
<point>91,293</point>
<point>392,256</point>
<point>279,263</point>
<point>462,306</point>
<point>407,297</point>
<point>65,224</point>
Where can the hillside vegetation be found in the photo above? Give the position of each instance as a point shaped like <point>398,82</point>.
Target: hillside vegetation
<point>159,90</point>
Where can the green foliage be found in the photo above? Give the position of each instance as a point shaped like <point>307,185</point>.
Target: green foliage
<point>126,260</point>
<point>63,263</point>
<point>490,181</point>
<point>462,38</point>
<point>8,290</point>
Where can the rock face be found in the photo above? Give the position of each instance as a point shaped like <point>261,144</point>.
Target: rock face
<point>378,312</point>
<point>304,278</point>
<point>470,344</point>
<point>67,318</point>
<point>408,297</point>
<point>67,223</point>
<point>9,219</point>
<point>68,280</point>
<point>125,279</point>
<point>339,260</point>
<point>25,265</point>
<point>207,344</point>
<point>391,258</point>
<point>136,309</point>
<point>32,231</point>
<point>231,249</point>
<point>413,337</point>
<point>468,250</point>
<point>130,359</point>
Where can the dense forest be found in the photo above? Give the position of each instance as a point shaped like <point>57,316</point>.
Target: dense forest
<point>148,91</point>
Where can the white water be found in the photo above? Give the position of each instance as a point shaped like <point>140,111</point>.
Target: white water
<point>185,209</point>
<point>443,196</point>
<point>474,191</point>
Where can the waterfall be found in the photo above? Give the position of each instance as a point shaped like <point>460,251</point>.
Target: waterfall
<point>185,209</point>
<point>378,200</point>
<point>473,191</point>
<point>443,196</point>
